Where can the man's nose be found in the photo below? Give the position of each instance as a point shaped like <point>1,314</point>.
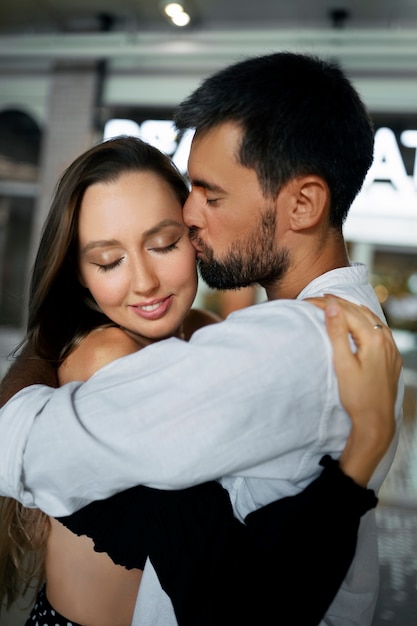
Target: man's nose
<point>193,214</point>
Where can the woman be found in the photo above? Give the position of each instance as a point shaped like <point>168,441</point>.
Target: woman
<point>74,271</point>
<point>115,270</point>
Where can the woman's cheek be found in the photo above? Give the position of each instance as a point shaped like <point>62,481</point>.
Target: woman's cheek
<point>106,291</point>
<point>187,270</point>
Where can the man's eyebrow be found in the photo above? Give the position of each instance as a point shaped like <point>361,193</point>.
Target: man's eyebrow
<point>204,184</point>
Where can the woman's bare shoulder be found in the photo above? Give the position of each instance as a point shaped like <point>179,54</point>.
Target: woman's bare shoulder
<point>101,346</point>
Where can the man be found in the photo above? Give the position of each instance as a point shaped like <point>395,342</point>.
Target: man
<point>282,146</point>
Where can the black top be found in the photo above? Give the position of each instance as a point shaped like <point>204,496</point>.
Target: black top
<point>283,566</point>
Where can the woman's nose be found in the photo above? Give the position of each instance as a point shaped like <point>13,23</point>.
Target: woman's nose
<point>145,279</point>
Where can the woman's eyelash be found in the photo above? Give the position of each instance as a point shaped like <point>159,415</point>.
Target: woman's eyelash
<point>165,249</point>
<point>109,266</point>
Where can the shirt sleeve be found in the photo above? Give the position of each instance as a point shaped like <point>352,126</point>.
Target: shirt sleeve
<point>232,401</point>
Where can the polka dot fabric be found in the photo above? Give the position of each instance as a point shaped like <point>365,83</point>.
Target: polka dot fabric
<point>43,614</point>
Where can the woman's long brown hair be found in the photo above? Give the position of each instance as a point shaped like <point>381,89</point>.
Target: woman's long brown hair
<point>60,313</point>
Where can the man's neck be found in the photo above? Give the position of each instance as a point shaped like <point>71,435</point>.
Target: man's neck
<point>302,274</point>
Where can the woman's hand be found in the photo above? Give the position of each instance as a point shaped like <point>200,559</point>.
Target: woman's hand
<point>368,381</point>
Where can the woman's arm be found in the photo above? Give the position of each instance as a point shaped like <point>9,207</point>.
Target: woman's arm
<point>367,380</point>
<point>312,536</point>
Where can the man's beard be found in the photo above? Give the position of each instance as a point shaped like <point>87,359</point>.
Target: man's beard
<point>248,262</point>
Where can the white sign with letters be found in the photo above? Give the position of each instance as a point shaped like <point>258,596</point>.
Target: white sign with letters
<point>385,211</point>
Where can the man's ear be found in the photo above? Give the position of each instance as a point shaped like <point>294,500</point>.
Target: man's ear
<point>311,201</point>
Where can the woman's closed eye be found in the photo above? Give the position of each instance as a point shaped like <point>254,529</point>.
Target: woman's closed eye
<point>107,267</point>
<point>165,249</point>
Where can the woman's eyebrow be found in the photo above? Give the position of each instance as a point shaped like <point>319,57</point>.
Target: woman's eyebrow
<point>102,243</point>
<point>161,226</point>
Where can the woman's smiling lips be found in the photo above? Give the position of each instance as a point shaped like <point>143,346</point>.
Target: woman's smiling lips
<point>152,310</point>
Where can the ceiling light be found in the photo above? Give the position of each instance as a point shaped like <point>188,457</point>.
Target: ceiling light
<point>176,13</point>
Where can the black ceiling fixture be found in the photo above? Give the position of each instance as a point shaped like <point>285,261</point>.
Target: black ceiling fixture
<point>338,17</point>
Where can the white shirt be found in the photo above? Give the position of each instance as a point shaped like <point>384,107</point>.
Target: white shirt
<point>253,399</point>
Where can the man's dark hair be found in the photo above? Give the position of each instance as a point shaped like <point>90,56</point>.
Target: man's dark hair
<point>299,115</point>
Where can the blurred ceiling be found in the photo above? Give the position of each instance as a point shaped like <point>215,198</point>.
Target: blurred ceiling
<point>69,16</point>
<point>366,36</point>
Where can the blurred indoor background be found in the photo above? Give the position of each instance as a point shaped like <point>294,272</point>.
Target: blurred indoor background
<point>73,72</point>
